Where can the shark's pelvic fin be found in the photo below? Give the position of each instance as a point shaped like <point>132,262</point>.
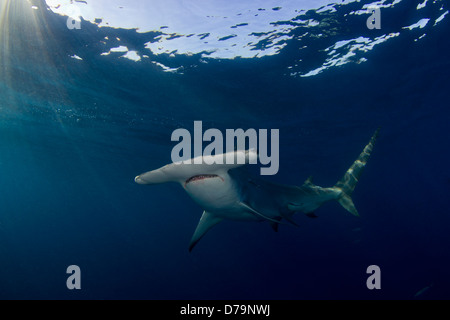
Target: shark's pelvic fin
<point>288,217</point>
<point>207,221</point>
<point>250,209</point>
<point>348,182</point>
<point>275,225</point>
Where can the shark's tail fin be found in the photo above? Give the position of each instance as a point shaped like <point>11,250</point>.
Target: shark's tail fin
<point>347,184</point>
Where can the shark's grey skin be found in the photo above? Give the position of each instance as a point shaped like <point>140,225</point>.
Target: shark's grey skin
<point>226,191</point>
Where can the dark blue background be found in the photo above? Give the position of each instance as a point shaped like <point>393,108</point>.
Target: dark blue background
<point>74,134</point>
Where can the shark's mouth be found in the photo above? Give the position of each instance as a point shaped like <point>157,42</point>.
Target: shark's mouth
<point>202,177</point>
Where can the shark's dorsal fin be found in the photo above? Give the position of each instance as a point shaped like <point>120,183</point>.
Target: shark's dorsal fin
<point>308,181</point>
<point>259,214</point>
<point>207,221</point>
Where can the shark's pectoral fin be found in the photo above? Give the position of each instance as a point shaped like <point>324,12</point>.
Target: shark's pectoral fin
<point>207,221</point>
<point>256,213</point>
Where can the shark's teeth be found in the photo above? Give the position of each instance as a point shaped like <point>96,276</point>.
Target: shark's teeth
<point>202,177</point>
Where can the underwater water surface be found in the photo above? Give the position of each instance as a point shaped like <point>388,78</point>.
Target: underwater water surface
<point>84,110</point>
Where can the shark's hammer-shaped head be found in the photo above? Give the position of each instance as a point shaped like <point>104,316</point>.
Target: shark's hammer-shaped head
<point>205,179</point>
<point>199,168</point>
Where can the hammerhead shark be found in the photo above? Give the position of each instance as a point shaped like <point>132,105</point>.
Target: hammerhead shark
<point>226,191</point>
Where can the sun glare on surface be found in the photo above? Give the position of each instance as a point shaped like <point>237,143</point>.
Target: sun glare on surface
<point>30,74</point>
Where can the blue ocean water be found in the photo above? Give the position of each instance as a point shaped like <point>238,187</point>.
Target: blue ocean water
<point>77,126</point>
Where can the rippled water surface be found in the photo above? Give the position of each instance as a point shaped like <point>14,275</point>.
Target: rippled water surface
<point>91,91</point>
